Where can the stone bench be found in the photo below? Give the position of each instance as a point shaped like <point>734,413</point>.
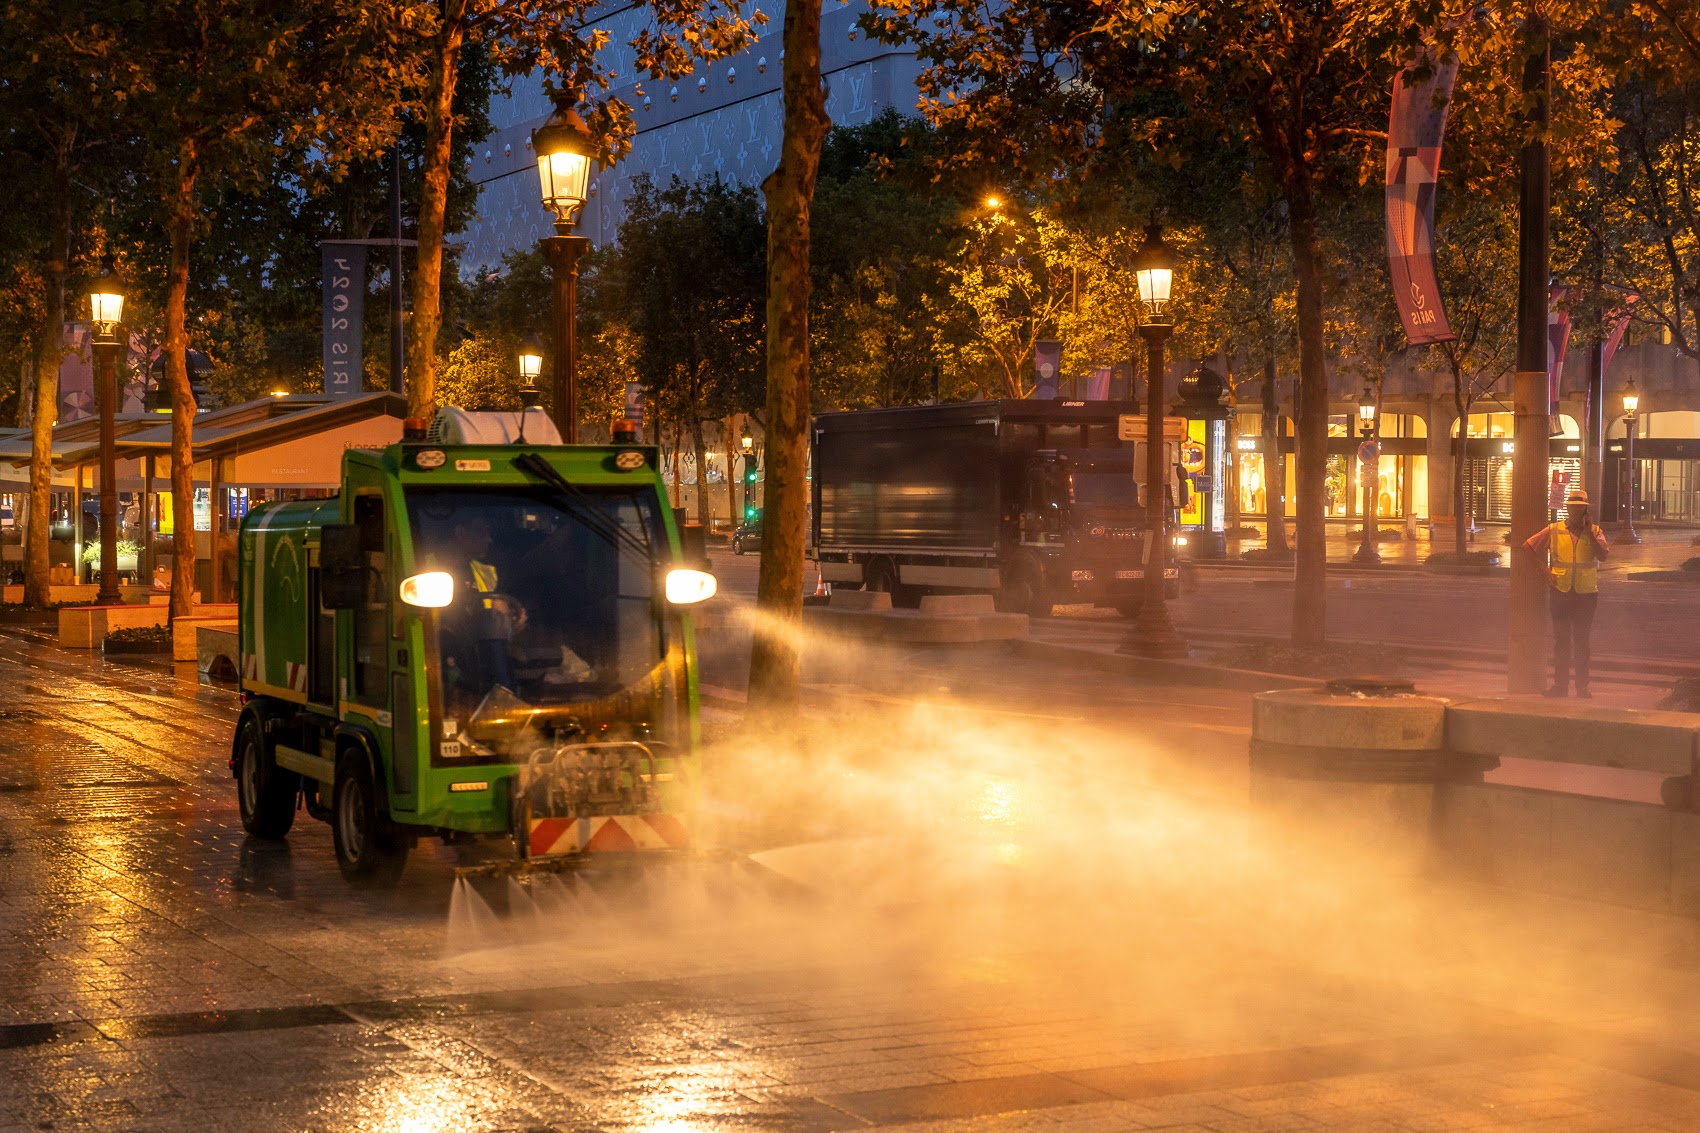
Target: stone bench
<point>1566,732</point>
<point>185,633</point>
<point>1450,822</point>
<point>216,649</point>
<point>86,627</point>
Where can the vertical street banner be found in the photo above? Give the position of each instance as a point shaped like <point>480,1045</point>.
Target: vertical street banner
<point>1098,384</point>
<point>1558,341</point>
<point>343,267</point>
<point>1422,92</point>
<point>1615,339</point>
<point>634,403</point>
<point>1047,361</point>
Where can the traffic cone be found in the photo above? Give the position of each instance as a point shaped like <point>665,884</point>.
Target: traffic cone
<point>822,589</point>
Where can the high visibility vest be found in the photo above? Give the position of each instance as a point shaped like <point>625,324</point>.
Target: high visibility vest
<point>1575,561</point>
<point>484,580</point>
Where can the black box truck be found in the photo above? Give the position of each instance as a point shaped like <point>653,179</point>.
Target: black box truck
<point>1035,502</point>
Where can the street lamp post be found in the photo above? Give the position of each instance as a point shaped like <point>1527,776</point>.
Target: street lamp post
<point>106,311</point>
<point>564,151</point>
<point>1631,402</point>
<point>1368,461</point>
<point>530,370</point>
<point>1153,635</point>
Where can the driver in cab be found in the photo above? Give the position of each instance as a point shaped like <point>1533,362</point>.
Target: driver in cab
<point>478,628</point>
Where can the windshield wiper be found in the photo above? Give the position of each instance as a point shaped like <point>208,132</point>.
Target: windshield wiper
<point>580,504</point>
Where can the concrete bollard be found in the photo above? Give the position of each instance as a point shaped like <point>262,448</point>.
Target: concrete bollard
<point>1352,768</point>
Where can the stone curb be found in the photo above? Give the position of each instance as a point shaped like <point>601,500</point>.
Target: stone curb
<point>1192,673</point>
<point>1457,653</point>
<point>916,627</point>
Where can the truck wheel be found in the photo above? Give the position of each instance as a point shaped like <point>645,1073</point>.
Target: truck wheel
<point>265,792</point>
<point>366,852</point>
<point>880,576</point>
<point>1025,592</point>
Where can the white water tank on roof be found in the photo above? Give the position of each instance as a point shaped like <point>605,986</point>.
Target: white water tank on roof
<point>452,426</point>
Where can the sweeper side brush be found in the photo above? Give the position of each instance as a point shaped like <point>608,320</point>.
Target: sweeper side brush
<point>575,802</point>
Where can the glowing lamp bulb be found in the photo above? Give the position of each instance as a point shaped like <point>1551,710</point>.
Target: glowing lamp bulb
<point>688,587</point>
<point>432,590</point>
<point>106,307</point>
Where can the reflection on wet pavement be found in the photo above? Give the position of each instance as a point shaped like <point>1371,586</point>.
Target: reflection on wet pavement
<point>944,938</point>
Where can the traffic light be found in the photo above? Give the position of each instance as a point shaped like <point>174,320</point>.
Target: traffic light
<point>750,474</point>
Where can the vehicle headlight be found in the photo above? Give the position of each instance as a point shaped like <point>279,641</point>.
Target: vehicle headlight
<point>433,589</point>
<point>686,587</point>
<point>1180,540</point>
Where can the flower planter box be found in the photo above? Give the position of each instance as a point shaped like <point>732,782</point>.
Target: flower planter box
<point>111,647</point>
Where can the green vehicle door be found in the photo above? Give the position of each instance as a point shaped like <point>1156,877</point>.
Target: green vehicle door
<point>375,692</point>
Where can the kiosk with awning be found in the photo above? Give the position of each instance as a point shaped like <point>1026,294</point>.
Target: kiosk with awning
<point>282,446</point>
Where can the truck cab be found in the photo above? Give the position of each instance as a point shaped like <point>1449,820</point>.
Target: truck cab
<point>476,638</point>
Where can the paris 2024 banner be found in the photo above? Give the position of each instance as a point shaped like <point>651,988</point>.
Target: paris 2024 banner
<point>1421,95</point>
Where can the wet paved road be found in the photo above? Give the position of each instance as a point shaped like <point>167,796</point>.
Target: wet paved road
<point>1646,620</point>
<point>1012,923</point>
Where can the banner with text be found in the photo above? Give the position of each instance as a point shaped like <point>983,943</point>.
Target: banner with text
<point>344,275</point>
<point>1422,92</point>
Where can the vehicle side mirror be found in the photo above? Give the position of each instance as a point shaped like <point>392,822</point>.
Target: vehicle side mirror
<point>693,545</point>
<point>342,567</point>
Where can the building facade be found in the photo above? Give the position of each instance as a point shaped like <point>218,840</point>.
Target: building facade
<point>1419,438</point>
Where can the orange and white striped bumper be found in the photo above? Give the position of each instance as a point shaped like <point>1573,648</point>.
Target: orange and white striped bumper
<point>607,833</point>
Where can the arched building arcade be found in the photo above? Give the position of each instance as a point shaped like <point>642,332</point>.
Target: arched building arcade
<point>1419,429</point>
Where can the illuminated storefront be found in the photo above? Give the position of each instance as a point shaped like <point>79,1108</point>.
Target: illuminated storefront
<point>1202,399</point>
<point>1487,464</point>
<point>1252,468</point>
<point>1667,469</point>
<point>1401,472</point>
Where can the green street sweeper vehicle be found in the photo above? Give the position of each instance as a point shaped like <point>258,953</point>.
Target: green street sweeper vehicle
<point>482,637</point>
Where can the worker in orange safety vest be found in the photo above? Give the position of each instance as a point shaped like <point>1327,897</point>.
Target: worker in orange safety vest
<point>1574,548</point>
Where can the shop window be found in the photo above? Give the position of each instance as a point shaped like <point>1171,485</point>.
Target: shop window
<point>1678,423</point>
<point>1254,487</point>
<point>1402,425</point>
<point>1489,425</point>
<point>1503,425</point>
<point>1337,497</point>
